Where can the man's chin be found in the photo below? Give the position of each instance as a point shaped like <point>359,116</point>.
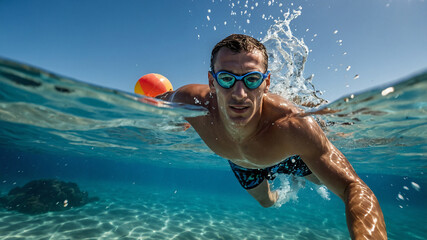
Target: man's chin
<point>239,122</point>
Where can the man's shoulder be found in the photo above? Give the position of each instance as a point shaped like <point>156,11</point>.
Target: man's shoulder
<point>278,107</point>
<point>286,115</point>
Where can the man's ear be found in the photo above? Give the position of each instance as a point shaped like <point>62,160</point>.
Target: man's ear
<point>211,82</point>
<point>267,83</point>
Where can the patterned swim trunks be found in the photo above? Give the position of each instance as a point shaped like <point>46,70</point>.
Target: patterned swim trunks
<point>250,178</point>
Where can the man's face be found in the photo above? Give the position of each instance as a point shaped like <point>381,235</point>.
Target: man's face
<point>239,104</point>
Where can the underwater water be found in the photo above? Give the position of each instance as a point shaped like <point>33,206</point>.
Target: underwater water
<point>157,181</point>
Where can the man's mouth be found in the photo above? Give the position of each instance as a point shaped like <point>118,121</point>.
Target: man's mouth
<point>239,108</point>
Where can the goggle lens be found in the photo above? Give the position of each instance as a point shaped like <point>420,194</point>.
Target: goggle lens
<point>253,80</point>
<point>226,80</point>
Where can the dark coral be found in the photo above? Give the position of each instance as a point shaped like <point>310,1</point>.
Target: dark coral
<point>45,195</point>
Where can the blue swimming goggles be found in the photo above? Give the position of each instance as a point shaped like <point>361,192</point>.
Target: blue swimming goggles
<point>251,80</point>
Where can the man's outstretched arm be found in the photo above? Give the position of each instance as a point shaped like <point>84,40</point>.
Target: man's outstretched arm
<point>365,219</point>
<point>364,216</point>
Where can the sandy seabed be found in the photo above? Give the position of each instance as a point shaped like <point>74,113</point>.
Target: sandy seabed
<point>141,213</point>
<point>129,211</point>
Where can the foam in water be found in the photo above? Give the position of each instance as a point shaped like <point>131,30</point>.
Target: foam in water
<point>287,189</point>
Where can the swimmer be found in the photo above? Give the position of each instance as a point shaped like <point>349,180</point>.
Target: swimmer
<point>262,134</point>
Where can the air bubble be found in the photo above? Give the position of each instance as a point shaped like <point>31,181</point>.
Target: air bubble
<point>415,186</point>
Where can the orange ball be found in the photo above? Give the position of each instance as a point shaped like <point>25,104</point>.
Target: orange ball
<point>152,85</point>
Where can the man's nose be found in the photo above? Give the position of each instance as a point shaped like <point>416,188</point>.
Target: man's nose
<point>239,91</point>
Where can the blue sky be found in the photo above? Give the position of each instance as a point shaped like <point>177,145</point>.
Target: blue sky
<point>113,43</point>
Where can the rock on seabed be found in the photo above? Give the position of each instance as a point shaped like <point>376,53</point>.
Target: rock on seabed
<point>45,195</point>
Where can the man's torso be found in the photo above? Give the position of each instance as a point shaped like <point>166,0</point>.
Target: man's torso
<point>261,149</point>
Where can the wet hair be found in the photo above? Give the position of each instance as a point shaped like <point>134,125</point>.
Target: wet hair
<point>238,43</point>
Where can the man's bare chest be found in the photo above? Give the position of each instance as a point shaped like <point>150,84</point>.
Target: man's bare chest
<point>256,152</point>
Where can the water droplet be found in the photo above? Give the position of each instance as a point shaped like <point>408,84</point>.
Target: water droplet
<point>348,68</point>
<point>336,31</point>
<point>399,196</point>
<point>356,76</point>
<point>406,188</point>
<point>208,18</point>
<point>386,91</point>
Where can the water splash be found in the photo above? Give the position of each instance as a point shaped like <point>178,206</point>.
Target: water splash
<point>287,58</point>
<point>288,187</point>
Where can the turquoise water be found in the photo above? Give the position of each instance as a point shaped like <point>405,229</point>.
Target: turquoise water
<point>156,181</point>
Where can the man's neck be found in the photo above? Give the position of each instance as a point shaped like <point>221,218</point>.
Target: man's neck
<point>241,133</point>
